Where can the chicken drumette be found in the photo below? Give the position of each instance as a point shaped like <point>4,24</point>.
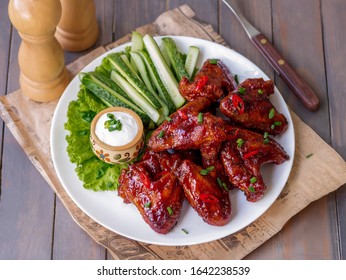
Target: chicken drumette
<point>212,81</point>
<point>154,189</point>
<point>243,157</point>
<point>249,106</point>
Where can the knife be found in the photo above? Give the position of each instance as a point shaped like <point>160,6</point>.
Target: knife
<point>300,88</point>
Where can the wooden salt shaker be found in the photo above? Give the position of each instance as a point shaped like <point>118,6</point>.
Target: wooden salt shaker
<point>78,28</point>
<point>43,76</point>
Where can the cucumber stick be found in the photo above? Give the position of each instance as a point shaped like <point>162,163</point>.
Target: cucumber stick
<point>146,79</point>
<point>139,63</point>
<point>136,42</point>
<point>109,96</point>
<point>136,96</point>
<point>110,83</point>
<point>129,65</point>
<point>175,58</point>
<point>143,72</point>
<point>119,65</point>
<point>191,60</point>
<point>156,80</point>
<point>163,70</point>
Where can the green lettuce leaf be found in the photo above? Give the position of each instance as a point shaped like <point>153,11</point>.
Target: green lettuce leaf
<point>98,175</point>
<point>95,174</point>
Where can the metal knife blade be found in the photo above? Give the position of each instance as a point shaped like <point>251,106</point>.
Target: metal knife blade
<point>299,87</point>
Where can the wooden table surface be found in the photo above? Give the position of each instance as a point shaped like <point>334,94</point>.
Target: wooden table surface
<point>311,34</point>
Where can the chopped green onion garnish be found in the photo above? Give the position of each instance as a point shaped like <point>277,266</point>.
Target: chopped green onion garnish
<point>253,180</point>
<point>161,134</point>
<point>266,141</point>
<point>236,79</point>
<point>265,135</point>
<point>207,170</point>
<point>275,124</point>
<point>240,142</point>
<point>112,124</point>
<point>271,113</point>
<point>170,211</point>
<point>200,118</point>
<point>147,205</point>
<point>309,155</point>
<point>260,91</point>
<point>251,189</point>
<point>184,231</point>
<point>213,61</point>
<point>241,90</point>
<point>110,116</point>
<point>221,184</point>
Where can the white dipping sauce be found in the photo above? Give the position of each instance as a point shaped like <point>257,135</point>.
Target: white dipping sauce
<point>121,137</point>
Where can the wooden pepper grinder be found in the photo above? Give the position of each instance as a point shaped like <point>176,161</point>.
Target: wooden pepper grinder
<point>43,76</point>
<point>78,28</point>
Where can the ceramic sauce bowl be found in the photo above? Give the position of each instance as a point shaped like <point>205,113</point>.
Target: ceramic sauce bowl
<point>116,135</point>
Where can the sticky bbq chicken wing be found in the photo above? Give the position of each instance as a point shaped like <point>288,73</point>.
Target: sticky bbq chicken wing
<point>210,201</point>
<point>154,190</point>
<point>213,81</point>
<point>243,157</point>
<point>249,106</point>
<point>189,128</point>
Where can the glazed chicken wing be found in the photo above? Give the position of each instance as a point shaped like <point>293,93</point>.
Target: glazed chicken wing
<point>243,157</point>
<point>188,128</point>
<point>202,192</point>
<point>212,81</point>
<point>249,106</point>
<point>155,192</point>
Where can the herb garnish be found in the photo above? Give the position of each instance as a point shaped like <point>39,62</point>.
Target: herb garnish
<point>271,113</point>
<point>207,170</point>
<point>241,90</point>
<point>112,124</point>
<point>240,142</point>
<point>161,134</point>
<point>147,205</point>
<point>200,118</point>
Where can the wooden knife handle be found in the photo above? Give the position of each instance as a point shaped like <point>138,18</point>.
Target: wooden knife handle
<point>304,93</point>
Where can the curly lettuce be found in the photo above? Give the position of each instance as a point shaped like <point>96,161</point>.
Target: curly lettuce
<point>95,174</point>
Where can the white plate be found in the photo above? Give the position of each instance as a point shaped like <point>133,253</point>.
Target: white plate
<point>109,210</point>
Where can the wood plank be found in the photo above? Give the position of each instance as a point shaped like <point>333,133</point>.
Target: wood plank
<point>205,10</point>
<point>27,206</point>
<point>335,57</point>
<point>301,45</point>
<point>298,36</point>
<point>5,37</point>
<point>259,14</point>
<point>131,14</point>
<point>70,241</point>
